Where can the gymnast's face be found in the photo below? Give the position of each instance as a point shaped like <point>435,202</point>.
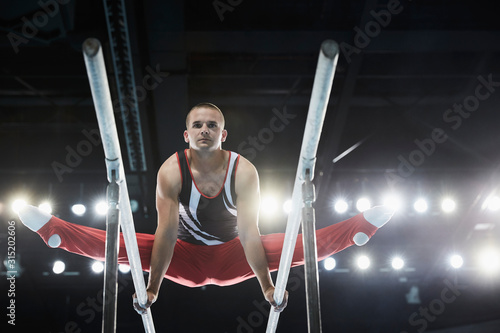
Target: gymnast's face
<point>205,129</point>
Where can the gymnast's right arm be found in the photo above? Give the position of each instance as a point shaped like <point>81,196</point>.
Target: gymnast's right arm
<point>167,205</point>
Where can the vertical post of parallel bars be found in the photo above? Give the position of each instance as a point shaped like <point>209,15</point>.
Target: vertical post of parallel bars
<point>111,268</point>
<point>310,256</point>
<point>320,95</point>
<point>96,71</point>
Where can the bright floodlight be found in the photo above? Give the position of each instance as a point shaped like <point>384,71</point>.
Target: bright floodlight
<point>420,205</point>
<point>456,261</point>
<point>329,263</point>
<point>268,206</point>
<point>392,201</point>
<point>46,207</point>
<point>363,204</point>
<point>448,205</point>
<point>287,206</point>
<point>78,209</point>
<point>58,267</point>
<point>101,208</point>
<point>17,204</point>
<point>341,206</point>
<point>492,203</point>
<point>397,263</point>
<point>124,268</point>
<point>363,262</point>
<point>97,267</point>
<point>490,261</point>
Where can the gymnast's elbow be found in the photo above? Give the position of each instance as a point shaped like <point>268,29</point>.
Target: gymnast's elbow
<point>247,238</point>
<point>167,232</point>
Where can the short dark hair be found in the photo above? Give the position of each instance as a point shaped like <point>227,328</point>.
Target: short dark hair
<point>206,105</point>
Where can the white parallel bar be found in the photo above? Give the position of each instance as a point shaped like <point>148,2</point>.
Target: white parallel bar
<point>322,86</point>
<point>96,71</point>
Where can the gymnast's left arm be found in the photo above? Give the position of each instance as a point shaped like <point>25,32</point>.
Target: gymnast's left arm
<point>248,202</point>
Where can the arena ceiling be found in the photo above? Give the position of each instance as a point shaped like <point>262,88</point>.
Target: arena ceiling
<point>413,111</point>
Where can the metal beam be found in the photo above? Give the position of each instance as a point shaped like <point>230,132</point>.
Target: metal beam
<point>388,40</point>
<point>116,18</point>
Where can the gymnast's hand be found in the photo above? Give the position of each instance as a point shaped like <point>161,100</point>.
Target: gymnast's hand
<point>143,309</point>
<point>269,295</point>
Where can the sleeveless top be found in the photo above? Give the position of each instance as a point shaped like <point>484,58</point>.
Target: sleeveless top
<point>207,220</point>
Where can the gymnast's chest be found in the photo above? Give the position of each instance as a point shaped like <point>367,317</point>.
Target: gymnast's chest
<point>209,185</point>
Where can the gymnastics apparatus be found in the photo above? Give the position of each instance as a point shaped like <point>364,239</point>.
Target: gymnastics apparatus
<point>134,249</point>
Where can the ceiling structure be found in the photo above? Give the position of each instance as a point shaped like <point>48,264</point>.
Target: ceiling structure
<point>413,111</point>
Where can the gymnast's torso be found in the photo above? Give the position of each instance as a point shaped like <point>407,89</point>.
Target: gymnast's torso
<point>205,220</point>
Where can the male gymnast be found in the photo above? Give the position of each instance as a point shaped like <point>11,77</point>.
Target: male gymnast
<point>207,200</point>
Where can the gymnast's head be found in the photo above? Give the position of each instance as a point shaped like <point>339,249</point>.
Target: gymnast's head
<point>205,105</point>
<point>205,126</point>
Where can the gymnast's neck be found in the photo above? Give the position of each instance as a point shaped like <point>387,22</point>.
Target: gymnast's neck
<point>206,161</point>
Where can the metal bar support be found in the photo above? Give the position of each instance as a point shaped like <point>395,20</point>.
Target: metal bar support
<point>311,257</point>
<point>322,86</point>
<point>110,294</point>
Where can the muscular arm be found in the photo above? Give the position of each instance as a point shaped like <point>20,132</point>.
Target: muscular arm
<point>167,206</point>
<point>248,202</point>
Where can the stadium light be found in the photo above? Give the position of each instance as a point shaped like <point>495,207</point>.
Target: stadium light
<point>46,207</point>
<point>363,262</point>
<point>58,267</point>
<point>420,206</point>
<point>341,206</point>
<point>97,267</point>
<point>489,261</point>
<point>124,268</point>
<point>393,201</point>
<point>78,209</point>
<point>363,204</point>
<point>456,261</point>
<point>329,263</point>
<point>448,205</point>
<point>17,204</point>
<point>397,263</point>
<point>492,203</point>
<point>101,208</point>
<point>268,206</point>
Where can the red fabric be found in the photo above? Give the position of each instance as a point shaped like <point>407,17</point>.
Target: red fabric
<point>198,265</point>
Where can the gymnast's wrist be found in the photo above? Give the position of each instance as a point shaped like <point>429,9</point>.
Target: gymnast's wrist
<point>152,290</point>
<point>266,285</point>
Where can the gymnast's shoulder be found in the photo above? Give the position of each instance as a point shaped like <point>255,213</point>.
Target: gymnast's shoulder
<point>246,171</point>
<point>169,176</point>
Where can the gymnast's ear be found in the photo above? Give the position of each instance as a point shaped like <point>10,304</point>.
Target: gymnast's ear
<point>224,136</point>
<point>186,136</point>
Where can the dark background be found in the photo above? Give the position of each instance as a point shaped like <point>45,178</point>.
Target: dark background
<point>394,84</point>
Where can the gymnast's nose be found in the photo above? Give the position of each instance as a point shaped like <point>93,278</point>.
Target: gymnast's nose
<point>204,129</point>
